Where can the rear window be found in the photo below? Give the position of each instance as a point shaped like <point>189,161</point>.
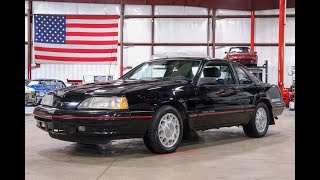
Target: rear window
<point>250,74</point>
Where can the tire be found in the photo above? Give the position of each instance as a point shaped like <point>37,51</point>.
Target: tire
<point>252,129</point>
<point>156,138</point>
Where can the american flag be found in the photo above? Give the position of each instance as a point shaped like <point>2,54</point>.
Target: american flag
<point>75,38</point>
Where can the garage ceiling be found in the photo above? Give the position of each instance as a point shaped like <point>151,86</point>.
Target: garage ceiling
<point>245,5</point>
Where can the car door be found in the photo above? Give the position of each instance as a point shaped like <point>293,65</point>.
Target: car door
<point>248,90</point>
<point>219,103</point>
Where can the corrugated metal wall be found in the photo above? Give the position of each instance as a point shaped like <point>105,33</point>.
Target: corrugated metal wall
<point>235,30</point>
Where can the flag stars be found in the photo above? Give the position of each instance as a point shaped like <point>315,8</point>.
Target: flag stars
<point>50,29</point>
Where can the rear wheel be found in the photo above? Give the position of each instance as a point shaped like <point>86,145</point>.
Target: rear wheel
<point>165,132</point>
<point>259,123</point>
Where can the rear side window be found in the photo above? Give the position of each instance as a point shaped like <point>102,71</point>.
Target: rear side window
<point>242,76</point>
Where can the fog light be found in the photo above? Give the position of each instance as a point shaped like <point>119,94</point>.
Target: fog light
<point>42,124</point>
<point>81,128</point>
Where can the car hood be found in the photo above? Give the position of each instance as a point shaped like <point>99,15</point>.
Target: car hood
<point>121,87</point>
<point>41,87</point>
<point>69,99</point>
<point>28,90</point>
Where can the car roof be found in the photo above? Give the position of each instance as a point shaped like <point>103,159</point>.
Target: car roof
<point>240,47</point>
<point>191,59</point>
<point>45,80</point>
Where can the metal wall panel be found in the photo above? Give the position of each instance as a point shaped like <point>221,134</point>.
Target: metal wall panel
<point>26,5</point>
<point>26,28</point>
<point>26,62</point>
<point>231,12</point>
<point>40,7</point>
<point>192,30</point>
<point>137,30</point>
<point>233,30</point>
<point>266,30</point>
<point>290,30</point>
<point>137,9</point>
<point>134,55</point>
<point>180,10</point>
<point>171,51</point>
<point>274,11</point>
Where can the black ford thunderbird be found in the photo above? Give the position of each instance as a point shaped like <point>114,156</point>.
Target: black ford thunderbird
<point>160,101</point>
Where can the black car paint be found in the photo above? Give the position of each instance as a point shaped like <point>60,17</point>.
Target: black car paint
<point>202,107</point>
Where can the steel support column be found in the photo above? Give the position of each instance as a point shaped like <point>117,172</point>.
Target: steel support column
<point>121,38</point>
<point>29,38</point>
<point>208,33</point>
<point>252,32</point>
<point>152,31</point>
<point>213,33</point>
<point>281,44</point>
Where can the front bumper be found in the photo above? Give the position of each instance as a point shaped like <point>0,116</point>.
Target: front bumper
<point>92,126</point>
<point>245,61</point>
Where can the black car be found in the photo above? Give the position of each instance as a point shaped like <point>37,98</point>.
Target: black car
<point>161,101</point>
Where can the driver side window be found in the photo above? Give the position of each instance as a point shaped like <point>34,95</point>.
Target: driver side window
<point>243,77</point>
<point>60,84</point>
<point>217,74</point>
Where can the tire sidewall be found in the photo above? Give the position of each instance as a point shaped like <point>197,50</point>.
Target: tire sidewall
<point>158,116</point>
<point>253,120</point>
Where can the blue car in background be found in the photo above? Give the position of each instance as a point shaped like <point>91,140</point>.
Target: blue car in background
<point>43,86</point>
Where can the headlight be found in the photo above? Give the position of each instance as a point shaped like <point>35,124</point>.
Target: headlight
<point>41,93</point>
<point>104,103</point>
<point>47,100</point>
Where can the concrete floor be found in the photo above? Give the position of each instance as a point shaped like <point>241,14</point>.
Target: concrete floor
<point>224,153</point>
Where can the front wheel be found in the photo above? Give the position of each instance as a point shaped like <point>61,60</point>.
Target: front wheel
<point>165,131</point>
<point>259,123</point>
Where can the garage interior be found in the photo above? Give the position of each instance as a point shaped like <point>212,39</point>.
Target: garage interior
<point>151,29</point>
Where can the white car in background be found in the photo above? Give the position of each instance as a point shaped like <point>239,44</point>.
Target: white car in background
<point>30,95</point>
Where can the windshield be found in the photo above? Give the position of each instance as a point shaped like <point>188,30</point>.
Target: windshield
<point>239,50</point>
<point>178,69</point>
<point>44,82</point>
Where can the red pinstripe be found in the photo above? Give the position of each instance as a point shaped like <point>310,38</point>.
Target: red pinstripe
<point>90,117</point>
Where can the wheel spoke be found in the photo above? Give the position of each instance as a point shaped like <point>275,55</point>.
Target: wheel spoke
<point>261,119</point>
<point>168,130</point>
